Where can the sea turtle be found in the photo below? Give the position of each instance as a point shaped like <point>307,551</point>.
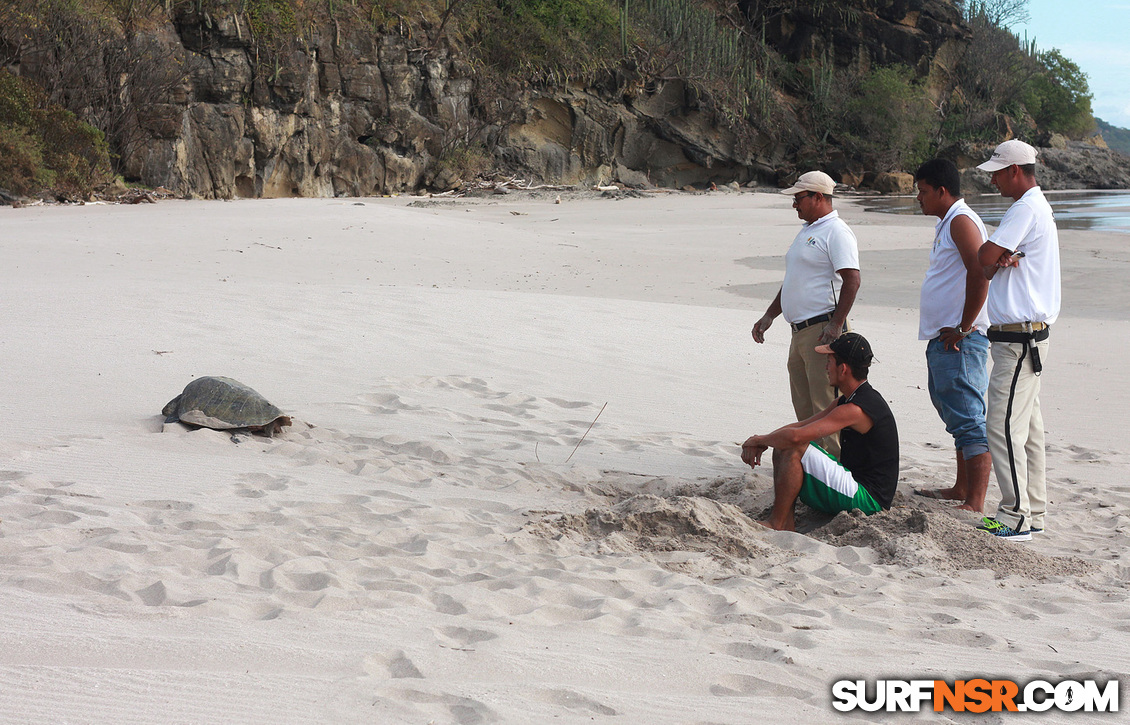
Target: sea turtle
<point>223,404</point>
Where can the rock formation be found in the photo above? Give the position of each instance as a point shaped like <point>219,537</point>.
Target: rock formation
<point>927,35</point>
<point>1078,165</point>
<point>352,111</point>
<point>361,114</point>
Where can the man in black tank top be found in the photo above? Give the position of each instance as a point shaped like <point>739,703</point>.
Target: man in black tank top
<point>866,474</point>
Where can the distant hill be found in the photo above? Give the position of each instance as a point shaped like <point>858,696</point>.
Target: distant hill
<point>1115,137</point>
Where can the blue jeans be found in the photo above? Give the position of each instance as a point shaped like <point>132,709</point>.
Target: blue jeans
<point>958,381</point>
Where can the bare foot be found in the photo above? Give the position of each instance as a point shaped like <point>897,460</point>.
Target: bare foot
<point>769,525</point>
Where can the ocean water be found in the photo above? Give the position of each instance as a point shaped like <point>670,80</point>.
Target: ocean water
<point>1107,211</point>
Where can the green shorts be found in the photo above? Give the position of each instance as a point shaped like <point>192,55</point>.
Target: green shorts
<point>829,487</point>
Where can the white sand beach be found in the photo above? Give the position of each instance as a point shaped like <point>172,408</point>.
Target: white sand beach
<point>423,545</point>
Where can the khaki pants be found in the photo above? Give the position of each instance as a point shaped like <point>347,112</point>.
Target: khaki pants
<point>1016,435</point>
<point>808,380</point>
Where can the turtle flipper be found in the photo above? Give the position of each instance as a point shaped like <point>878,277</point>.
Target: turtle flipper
<point>171,410</point>
<point>275,427</point>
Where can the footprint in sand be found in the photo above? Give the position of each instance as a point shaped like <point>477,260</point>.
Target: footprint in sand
<point>60,518</point>
<point>385,404</point>
<point>517,409</point>
<point>395,664</point>
<point>12,475</point>
<point>268,482</point>
<point>966,638</point>
<point>299,575</point>
<point>124,548</point>
<point>462,710</point>
<point>757,653</point>
<point>462,637</point>
<point>153,595</point>
<point>568,403</point>
<point>108,587</point>
<point>1086,455</point>
<point>574,700</point>
<point>446,604</point>
<point>943,618</point>
<point>269,613</point>
<point>168,505</point>
<point>736,685</point>
<point>475,384</point>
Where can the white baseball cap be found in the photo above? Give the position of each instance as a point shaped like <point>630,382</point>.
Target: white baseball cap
<point>1008,153</point>
<point>812,181</point>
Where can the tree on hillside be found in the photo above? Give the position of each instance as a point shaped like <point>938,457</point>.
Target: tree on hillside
<point>1058,96</point>
<point>990,82</point>
<point>1001,13</point>
<point>44,145</point>
<point>100,61</point>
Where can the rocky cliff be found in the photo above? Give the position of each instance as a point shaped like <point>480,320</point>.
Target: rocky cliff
<point>360,113</point>
<point>352,111</point>
<point>927,35</point>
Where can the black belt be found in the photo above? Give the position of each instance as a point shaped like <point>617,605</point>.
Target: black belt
<point>1001,336</point>
<point>811,321</point>
<point>1024,338</point>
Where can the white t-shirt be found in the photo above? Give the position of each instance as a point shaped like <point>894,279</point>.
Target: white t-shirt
<point>812,283</point>
<point>1029,292</point>
<point>942,303</point>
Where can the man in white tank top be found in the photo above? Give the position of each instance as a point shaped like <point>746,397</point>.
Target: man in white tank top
<point>953,318</point>
<point>1022,260</point>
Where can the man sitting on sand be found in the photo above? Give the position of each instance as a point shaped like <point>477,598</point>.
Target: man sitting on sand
<point>865,475</point>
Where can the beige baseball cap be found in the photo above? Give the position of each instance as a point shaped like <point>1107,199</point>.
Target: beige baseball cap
<point>816,181</point>
<point>1008,153</point>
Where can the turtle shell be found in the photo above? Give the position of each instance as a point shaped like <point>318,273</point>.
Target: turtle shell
<point>223,404</point>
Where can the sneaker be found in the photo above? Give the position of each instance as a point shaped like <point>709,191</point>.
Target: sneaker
<point>1034,530</point>
<point>1001,531</point>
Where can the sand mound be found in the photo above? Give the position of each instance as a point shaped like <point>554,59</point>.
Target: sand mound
<point>923,539</point>
<point>659,516</point>
<point>648,524</point>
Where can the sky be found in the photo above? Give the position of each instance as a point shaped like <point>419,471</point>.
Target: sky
<point>1092,33</point>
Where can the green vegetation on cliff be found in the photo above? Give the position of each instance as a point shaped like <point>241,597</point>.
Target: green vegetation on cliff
<point>43,145</point>
<point>1009,87</point>
<point>523,36</point>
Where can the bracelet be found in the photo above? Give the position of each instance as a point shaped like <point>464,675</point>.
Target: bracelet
<point>963,333</point>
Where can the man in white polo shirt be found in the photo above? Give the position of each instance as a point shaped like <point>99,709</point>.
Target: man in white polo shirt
<point>1022,260</point>
<point>821,281</point>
